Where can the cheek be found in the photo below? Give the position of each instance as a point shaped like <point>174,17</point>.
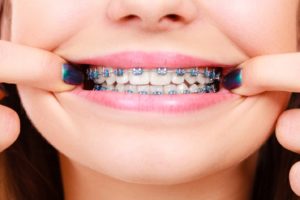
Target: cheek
<point>258,27</point>
<point>45,24</point>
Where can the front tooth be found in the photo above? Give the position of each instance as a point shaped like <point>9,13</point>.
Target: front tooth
<point>170,89</point>
<point>143,89</point>
<point>123,79</point>
<point>112,77</point>
<point>194,88</point>
<point>157,79</point>
<point>190,79</point>
<point>142,79</point>
<point>120,87</point>
<point>182,88</point>
<point>156,90</point>
<point>130,89</point>
<point>177,79</point>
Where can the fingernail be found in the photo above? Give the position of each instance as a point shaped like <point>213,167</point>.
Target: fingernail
<point>71,75</point>
<point>3,93</point>
<point>233,79</point>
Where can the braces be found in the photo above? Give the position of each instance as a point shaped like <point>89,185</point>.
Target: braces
<point>93,73</point>
<point>213,74</point>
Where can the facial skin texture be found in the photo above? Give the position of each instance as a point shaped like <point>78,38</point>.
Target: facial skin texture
<point>111,154</point>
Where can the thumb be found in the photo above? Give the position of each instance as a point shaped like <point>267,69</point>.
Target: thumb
<point>279,72</point>
<point>9,127</point>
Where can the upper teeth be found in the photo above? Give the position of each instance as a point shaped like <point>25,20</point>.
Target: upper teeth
<point>156,77</point>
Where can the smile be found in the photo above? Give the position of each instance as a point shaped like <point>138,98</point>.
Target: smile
<point>158,81</point>
<point>152,82</point>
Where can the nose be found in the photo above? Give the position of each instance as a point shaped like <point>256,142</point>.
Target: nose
<point>153,15</point>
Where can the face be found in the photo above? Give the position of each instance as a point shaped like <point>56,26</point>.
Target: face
<point>155,147</point>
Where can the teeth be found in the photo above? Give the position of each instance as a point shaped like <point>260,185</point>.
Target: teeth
<point>180,72</point>
<point>123,79</point>
<point>156,90</point>
<point>194,72</point>
<point>137,71</point>
<point>100,78</point>
<point>119,72</point>
<point>143,89</point>
<point>170,89</point>
<point>107,87</point>
<point>209,88</point>
<point>120,87</point>
<point>202,80</point>
<point>142,79</point>
<point>193,88</point>
<point>162,71</point>
<point>190,79</point>
<point>112,78</point>
<point>157,79</point>
<point>182,88</point>
<point>130,89</point>
<point>177,79</point>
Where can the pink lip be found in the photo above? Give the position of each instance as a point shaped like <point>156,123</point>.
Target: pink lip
<point>152,103</point>
<point>149,60</point>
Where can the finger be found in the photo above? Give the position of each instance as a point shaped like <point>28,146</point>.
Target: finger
<point>288,130</point>
<point>265,73</point>
<point>9,127</point>
<point>38,68</point>
<point>294,177</point>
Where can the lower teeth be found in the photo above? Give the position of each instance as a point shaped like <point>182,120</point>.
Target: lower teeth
<point>157,90</point>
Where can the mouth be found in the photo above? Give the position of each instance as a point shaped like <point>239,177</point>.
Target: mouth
<point>155,82</point>
<point>158,81</point>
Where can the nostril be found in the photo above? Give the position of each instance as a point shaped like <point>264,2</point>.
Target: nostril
<point>173,17</point>
<point>130,18</point>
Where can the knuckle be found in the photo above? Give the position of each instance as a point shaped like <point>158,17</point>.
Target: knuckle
<point>44,62</point>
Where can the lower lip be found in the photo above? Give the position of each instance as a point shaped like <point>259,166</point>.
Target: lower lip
<point>155,103</point>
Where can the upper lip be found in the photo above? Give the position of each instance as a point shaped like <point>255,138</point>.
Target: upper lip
<point>149,60</point>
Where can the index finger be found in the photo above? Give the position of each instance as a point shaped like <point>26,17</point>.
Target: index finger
<point>265,73</point>
<point>35,67</point>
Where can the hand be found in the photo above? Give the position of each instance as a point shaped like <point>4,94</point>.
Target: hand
<point>33,67</point>
<point>255,77</point>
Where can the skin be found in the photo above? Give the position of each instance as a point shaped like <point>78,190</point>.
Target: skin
<point>137,155</point>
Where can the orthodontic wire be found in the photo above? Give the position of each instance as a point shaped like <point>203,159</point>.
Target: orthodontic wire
<point>211,73</point>
<point>214,74</point>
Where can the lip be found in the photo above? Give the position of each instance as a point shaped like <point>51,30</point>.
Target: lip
<point>149,60</point>
<point>150,103</point>
<point>153,103</point>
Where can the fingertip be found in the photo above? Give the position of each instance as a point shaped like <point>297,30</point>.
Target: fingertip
<point>237,81</point>
<point>288,130</point>
<point>294,177</point>
<point>233,79</point>
<point>71,77</point>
